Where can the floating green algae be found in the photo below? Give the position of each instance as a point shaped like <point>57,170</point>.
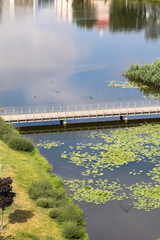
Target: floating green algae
<point>47,144</point>
<point>102,192</point>
<point>145,196</point>
<point>104,157</point>
<point>123,84</point>
<point>135,173</point>
<point>113,151</point>
<point>134,85</point>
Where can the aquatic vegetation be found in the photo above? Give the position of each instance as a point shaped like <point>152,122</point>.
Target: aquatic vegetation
<point>101,192</point>
<point>116,149</point>
<point>134,173</point>
<point>47,144</point>
<point>152,96</point>
<point>123,84</point>
<point>146,73</point>
<point>155,174</point>
<point>152,93</point>
<point>112,151</point>
<point>146,196</point>
<point>136,149</point>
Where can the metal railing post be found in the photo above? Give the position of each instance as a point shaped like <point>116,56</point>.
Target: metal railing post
<point>112,108</point>
<point>142,106</point>
<point>135,108</point>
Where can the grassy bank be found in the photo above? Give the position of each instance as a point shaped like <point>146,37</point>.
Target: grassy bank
<point>24,219</point>
<point>147,73</point>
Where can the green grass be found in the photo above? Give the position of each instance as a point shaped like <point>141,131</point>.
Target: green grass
<point>32,178</point>
<point>24,219</point>
<point>33,220</point>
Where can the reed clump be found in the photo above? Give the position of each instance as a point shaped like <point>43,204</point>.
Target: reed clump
<point>148,73</point>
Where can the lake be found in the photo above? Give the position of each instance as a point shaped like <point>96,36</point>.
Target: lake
<point>74,52</point>
<point>112,172</point>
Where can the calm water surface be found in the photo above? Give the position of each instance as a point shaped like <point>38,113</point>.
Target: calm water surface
<point>73,52</point>
<point>115,219</point>
<point>70,51</point>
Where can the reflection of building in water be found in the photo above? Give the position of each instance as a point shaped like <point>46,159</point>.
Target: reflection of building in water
<point>18,8</point>
<point>0,9</point>
<point>83,11</point>
<point>130,16</point>
<point>63,10</point>
<point>103,11</point>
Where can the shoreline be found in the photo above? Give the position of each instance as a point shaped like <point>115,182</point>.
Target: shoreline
<point>24,219</point>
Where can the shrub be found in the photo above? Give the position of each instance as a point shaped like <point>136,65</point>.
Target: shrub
<point>20,143</point>
<point>53,213</point>
<point>59,194</point>
<point>6,131</point>
<point>63,202</point>
<point>41,189</point>
<point>7,136</point>
<point>47,202</point>
<point>58,182</point>
<point>12,137</point>
<point>41,161</point>
<point>72,231</point>
<point>70,212</point>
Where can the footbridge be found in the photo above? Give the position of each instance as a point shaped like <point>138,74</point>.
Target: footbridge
<point>62,113</point>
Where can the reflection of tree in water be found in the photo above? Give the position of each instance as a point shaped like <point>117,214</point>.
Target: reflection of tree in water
<point>23,3</point>
<point>134,16</point>
<point>147,88</point>
<point>0,10</point>
<point>127,15</point>
<point>153,22</point>
<point>84,13</point>
<point>43,2</point>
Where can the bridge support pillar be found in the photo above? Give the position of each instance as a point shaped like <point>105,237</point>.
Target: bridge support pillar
<point>126,118</point>
<point>65,123</point>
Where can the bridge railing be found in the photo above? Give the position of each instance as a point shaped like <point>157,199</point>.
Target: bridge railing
<point>78,107</point>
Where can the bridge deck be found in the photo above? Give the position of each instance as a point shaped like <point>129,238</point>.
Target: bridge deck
<point>87,111</point>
